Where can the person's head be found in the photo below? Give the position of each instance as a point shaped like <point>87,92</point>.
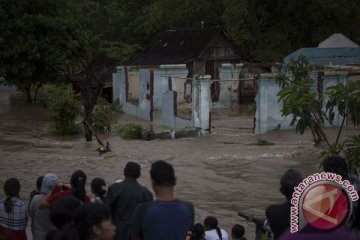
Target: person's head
<point>162,174</point>
<point>39,183</point>
<point>48,183</point>
<point>197,232</point>
<point>11,189</point>
<point>78,181</point>
<point>210,223</point>
<point>288,181</point>
<point>62,211</point>
<point>336,164</point>
<point>237,232</point>
<point>132,170</point>
<point>98,187</point>
<point>93,221</point>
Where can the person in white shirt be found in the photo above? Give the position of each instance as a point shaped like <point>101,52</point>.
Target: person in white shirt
<point>212,230</point>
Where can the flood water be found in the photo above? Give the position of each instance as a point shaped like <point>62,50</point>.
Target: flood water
<point>221,173</point>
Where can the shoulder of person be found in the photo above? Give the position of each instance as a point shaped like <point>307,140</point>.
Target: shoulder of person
<point>186,203</point>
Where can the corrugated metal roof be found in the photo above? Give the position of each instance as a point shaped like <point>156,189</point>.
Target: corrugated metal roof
<point>328,56</point>
<point>177,47</point>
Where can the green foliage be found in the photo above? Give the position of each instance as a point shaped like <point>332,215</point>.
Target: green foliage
<point>36,37</point>
<point>130,131</point>
<point>250,110</point>
<point>103,115</point>
<point>305,107</point>
<point>352,151</point>
<point>332,150</point>
<point>133,100</point>
<point>300,101</point>
<point>116,106</point>
<point>346,100</point>
<point>163,14</point>
<point>63,107</point>
<point>270,30</point>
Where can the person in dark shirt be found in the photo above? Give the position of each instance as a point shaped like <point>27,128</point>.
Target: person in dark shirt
<point>278,215</point>
<point>167,217</point>
<point>123,198</point>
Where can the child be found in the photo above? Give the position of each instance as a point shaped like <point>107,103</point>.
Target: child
<point>98,188</point>
<point>237,232</point>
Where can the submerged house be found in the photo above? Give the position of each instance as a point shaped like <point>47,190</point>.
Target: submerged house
<point>181,55</point>
<point>336,60</point>
<point>201,50</point>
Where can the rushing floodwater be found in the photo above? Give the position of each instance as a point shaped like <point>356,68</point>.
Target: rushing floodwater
<point>222,173</point>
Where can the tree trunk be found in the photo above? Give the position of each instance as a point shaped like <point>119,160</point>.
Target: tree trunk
<point>36,93</point>
<point>87,126</point>
<point>89,95</point>
<point>29,99</point>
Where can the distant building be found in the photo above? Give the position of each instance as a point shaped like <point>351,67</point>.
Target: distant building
<point>202,50</point>
<point>336,60</point>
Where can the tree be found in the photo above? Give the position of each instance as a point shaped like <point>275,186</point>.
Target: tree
<point>63,107</point>
<point>35,39</point>
<point>91,65</point>
<point>305,106</point>
<point>268,31</point>
<point>300,101</point>
<point>162,15</point>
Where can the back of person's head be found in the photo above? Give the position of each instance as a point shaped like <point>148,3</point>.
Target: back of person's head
<point>48,183</point>
<point>11,189</point>
<point>197,232</point>
<point>336,164</point>
<point>98,187</point>
<point>162,173</point>
<point>89,215</point>
<point>288,181</point>
<point>78,181</point>
<point>132,170</point>
<point>39,181</point>
<point>62,211</point>
<point>38,188</point>
<point>211,223</point>
<point>237,232</point>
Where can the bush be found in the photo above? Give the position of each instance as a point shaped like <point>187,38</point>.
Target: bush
<point>116,106</point>
<point>71,129</point>
<point>64,106</point>
<point>130,131</point>
<point>103,115</point>
<point>352,151</point>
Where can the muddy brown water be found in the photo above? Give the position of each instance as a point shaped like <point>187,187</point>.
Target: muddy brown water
<point>221,174</point>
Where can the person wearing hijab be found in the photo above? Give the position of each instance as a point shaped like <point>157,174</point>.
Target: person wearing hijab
<point>41,222</point>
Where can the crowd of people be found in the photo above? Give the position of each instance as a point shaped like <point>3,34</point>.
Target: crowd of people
<point>127,210</point>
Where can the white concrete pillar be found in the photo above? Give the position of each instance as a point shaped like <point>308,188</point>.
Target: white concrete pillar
<point>202,104</point>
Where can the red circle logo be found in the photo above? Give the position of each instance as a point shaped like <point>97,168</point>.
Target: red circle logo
<point>325,206</point>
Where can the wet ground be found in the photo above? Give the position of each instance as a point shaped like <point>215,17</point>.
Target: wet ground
<point>221,173</point>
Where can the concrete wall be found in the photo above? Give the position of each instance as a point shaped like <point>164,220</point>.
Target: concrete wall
<point>228,74</point>
<point>169,117</point>
<point>133,76</point>
<point>143,109</point>
<point>268,109</point>
<point>177,73</point>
